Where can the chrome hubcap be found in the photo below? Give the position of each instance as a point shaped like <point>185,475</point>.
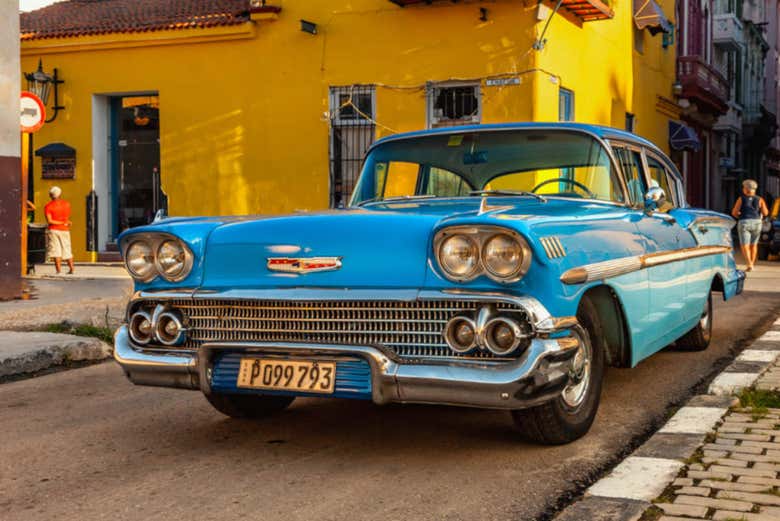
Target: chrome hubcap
<point>574,394</point>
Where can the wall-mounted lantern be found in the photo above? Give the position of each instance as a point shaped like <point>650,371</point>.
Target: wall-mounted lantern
<point>40,83</point>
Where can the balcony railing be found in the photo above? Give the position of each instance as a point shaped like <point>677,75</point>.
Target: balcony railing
<point>727,31</point>
<point>702,83</point>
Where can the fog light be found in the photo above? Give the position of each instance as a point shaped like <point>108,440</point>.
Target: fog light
<point>140,327</point>
<point>503,336</point>
<point>169,329</point>
<point>461,334</point>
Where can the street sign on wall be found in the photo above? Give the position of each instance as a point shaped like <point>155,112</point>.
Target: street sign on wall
<point>33,113</point>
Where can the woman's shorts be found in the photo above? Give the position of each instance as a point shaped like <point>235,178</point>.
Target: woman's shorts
<point>749,231</point>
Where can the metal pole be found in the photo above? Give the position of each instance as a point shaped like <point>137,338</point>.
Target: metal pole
<point>30,174</point>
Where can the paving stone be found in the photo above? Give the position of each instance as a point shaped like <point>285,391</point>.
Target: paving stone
<point>723,504</point>
<point>744,437</point>
<point>724,515</point>
<point>670,445</point>
<point>694,491</point>
<point>757,480</point>
<point>762,444</point>
<point>772,336</point>
<point>743,472</point>
<point>733,428</point>
<point>759,499</point>
<point>728,485</point>
<point>725,441</point>
<point>709,474</point>
<point>756,458</point>
<point>693,420</point>
<point>675,518</point>
<point>604,509</point>
<point>768,466</point>
<point>713,455</point>
<point>683,482</point>
<point>736,448</point>
<point>683,510</point>
<point>726,462</point>
<point>695,466</point>
<point>773,454</point>
<point>763,386</point>
<point>637,478</point>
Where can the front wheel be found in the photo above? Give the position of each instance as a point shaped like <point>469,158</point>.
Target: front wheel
<point>570,416</point>
<point>248,405</point>
<point>698,338</point>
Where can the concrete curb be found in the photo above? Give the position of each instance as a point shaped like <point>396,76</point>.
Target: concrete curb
<point>29,352</point>
<point>628,490</point>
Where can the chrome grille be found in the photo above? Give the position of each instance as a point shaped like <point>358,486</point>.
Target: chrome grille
<point>411,329</point>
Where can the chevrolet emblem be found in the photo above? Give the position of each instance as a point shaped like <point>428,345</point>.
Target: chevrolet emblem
<point>303,264</point>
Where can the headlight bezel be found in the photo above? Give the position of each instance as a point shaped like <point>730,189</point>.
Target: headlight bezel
<point>481,235</point>
<point>152,274</point>
<point>154,240</point>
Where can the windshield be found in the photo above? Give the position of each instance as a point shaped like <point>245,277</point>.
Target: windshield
<point>545,162</point>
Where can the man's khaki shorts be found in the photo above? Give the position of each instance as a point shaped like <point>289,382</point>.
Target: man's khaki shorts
<point>58,244</point>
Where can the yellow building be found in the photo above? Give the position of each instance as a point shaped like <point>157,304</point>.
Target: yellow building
<point>248,108</point>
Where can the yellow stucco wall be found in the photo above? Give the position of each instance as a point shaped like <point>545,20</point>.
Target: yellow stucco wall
<point>243,123</point>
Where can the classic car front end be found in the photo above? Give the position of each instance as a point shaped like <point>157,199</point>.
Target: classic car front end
<point>491,266</point>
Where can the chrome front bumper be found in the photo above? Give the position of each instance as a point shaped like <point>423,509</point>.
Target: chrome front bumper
<point>539,375</point>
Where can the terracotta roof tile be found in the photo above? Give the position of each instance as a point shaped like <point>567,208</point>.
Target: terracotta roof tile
<point>83,17</point>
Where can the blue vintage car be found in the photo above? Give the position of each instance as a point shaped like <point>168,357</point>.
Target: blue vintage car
<point>494,266</point>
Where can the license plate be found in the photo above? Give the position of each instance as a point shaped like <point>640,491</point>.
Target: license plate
<point>287,375</point>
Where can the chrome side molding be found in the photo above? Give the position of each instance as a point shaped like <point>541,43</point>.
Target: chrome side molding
<point>613,268</point>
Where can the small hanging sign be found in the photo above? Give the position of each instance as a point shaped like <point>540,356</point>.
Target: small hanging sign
<point>58,161</point>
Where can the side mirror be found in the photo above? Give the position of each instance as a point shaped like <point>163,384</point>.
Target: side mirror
<point>655,199</point>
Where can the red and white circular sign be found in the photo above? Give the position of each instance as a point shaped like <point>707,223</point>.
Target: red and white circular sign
<point>33,112</point>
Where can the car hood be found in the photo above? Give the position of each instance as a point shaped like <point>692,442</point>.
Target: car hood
<point>385,245</point>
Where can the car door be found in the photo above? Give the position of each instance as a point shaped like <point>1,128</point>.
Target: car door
<point>670,303</point>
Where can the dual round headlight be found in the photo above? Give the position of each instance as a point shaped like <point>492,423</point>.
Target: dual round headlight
<point>463,254</point>
<point>148,257</point>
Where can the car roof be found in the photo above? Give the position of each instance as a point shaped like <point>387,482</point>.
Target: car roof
<point>600,131</point>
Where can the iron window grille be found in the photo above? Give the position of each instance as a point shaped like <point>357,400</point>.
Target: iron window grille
<point>453,104</point>
<point>352,131</point>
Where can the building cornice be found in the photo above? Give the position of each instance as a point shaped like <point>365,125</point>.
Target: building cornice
<point>37,47</point>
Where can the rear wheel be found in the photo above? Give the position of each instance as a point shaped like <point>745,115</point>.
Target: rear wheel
<point>248,405</point>
<point>569,416</point>
<point>698,338</point>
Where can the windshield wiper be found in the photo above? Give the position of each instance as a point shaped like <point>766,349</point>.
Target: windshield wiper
<point>509,192</point>
<point>396,198</point>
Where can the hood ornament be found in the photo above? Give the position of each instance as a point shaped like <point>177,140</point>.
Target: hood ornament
<point>303,264</point>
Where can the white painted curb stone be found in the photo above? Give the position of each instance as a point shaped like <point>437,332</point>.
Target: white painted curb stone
<point>757,355</point>
<point>637,478</point>
<point>726,384</point>
<point>693,420</point>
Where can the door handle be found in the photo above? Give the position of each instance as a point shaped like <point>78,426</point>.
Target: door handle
<point>703,229</point>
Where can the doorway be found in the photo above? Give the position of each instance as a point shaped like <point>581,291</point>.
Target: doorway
<point>134,140</point>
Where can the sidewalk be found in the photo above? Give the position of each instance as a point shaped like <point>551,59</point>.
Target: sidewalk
<point>25,353</point>
<point>82,271</point>
<point>715,459</point>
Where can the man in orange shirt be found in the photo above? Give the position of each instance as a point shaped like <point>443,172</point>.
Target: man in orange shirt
<point>57,213</point>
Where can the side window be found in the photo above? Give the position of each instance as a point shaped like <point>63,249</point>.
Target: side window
<point>659,176</point>
<point>631,163</point>
<point>444,183</point>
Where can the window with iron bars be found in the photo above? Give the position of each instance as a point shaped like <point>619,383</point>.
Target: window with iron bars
<point>452,104</point>
<point>352,131</point>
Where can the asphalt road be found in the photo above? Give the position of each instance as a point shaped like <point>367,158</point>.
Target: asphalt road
<point>86,444</point>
